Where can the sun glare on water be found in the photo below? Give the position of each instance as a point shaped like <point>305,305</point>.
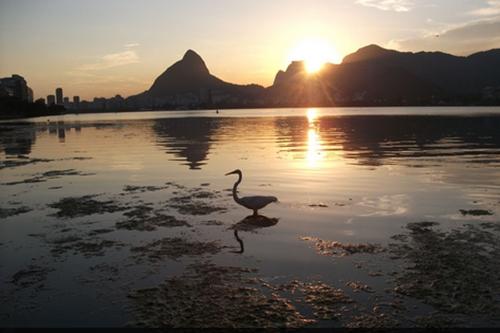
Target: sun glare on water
<point>315,53</point>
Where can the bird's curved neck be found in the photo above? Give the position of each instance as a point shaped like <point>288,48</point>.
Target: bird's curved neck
<point>235,188</point>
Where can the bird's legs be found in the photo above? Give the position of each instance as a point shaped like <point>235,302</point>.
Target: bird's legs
<point>255,213</point>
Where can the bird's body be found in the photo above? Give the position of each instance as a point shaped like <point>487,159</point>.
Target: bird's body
<point>255,202</point>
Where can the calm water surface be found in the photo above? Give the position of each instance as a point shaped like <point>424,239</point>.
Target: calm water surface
<point>349,175</point>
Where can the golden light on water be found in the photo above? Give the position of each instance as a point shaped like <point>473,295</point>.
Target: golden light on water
<point>314,152</point>
<point>312,115</point>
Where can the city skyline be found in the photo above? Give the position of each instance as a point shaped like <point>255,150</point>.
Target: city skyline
<point>118,47</point>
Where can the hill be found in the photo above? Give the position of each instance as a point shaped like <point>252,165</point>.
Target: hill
<point>188,83</point>
<point>370,76</point>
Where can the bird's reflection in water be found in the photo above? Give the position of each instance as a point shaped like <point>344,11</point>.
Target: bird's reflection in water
<point>251,223</point>
<point>240,241</point>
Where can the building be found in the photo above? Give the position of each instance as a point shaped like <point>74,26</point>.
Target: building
<point>51,100</point>
<point>15,86</point>
<point>66,103</point>
<point>76,102</point>
<point>59,96</point>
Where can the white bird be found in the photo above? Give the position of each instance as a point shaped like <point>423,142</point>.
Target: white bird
<point>255,202</point>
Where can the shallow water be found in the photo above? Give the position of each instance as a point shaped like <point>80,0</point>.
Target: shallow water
<point>345,175</point>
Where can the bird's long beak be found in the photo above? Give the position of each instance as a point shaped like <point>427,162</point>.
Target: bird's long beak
<point>230,173</point>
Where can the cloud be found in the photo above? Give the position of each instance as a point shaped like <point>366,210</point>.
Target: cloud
<point>492,8</point>
<point>112,60</point>
<point>131,45</point>
<point>459,40</point>
<point>388,5</point>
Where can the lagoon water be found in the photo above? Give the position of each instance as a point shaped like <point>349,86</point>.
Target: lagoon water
<point>353,175</point>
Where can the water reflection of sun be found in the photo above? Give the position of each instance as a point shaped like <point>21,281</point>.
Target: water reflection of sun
<point>314,150</point>
<point>312,115</point>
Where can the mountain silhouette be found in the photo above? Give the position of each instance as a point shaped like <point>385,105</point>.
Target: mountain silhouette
<point>297,87</point>
<point>370,76</point>
<point>186,75</point>
<point>189,82</point>
<point>377,76</point>
<point>368,53</point>
<point>452,74</point>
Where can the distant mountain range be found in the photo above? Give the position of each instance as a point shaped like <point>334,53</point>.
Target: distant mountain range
<point>370,76</point>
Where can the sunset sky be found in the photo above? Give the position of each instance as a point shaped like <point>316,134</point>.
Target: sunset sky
<point>108,47</point>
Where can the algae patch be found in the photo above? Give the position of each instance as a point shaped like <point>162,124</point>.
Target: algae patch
<point>456,271</point>
<point>82,206</point>
<point>100,231</point>
<point>33,275</point>
<point>475,212</point>
<point>87,248</point>
<point>338,249</point>
<point>53,174</point>
<point>213,296</point>
<point>6,212</point>
<point>327,302</point>
<point>358,286</point>
<point>174,248</point>
<point>144,218</point>
<point>319,205</point>
<point>197,208</point>
<point>195,202</point>
<point>21,162</point>
<point>213,223</point>
<point>142,189</point>
<point>372,320</point>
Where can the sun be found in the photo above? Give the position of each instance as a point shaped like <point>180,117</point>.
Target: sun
<point>315,52</point>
